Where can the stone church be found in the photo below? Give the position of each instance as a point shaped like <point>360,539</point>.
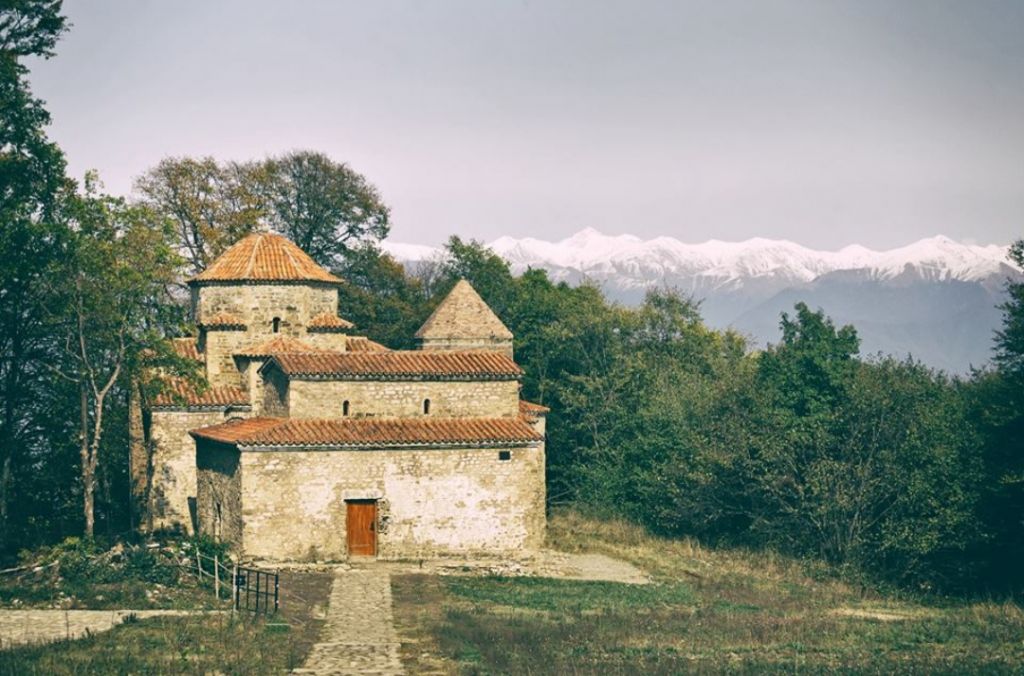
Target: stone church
<point>314,443</point>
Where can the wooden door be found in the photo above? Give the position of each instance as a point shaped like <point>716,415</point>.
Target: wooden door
<point>362,527</point>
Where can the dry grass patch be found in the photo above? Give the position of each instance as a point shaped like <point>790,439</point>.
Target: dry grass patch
<point>707,611</point>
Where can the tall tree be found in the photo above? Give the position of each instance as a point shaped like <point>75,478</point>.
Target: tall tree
<point>118,261</point>
<point>323,206</point>
<point>32,179</point>
<point>211,205</point>
<point>997,398</point>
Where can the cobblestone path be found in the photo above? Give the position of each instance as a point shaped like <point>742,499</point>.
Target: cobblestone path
<point>359,636</point>
<point>45,626</point>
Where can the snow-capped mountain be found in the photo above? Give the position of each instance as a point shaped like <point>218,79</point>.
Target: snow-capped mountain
<point>904,300</point>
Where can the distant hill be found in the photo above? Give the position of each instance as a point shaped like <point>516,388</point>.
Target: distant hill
<point>935,299</point>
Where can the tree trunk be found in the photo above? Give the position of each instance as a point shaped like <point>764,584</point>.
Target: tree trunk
<point>88,469</point>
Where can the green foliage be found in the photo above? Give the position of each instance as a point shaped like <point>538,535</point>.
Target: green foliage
<point>568,596</point>
<point>323,206</point>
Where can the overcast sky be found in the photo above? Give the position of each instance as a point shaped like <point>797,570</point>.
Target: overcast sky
<point>823,122</point>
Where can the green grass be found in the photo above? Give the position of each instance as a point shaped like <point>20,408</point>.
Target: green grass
<point>708,611</point>
<point>220,644</point>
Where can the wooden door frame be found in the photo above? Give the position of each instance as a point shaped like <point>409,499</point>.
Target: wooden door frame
<point>376,513</point>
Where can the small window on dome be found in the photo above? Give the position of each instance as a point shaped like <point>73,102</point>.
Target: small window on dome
<point>277,324</point>
<point>426,407</point>
<point>344,407</point>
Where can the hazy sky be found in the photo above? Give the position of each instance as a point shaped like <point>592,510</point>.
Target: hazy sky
<point>823,122</point>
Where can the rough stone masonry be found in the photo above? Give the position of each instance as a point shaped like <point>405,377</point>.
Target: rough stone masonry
<point>312,444</point>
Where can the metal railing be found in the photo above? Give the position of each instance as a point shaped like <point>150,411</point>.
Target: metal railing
<point>252,589</point>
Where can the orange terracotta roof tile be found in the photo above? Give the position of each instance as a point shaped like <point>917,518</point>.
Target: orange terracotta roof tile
<point>179,393</point>
<point>528,408</point>
<point>186,348</point>
<point>277,345</point>
<point>222,320</point>
<point>327,322</point>
<point>398,364</point>
<point>372,432</point>
<point>264,257</point>
<point>363,344</point>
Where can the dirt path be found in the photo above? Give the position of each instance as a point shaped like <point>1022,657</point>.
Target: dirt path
<point>359,635</point>
<point>46,626</point>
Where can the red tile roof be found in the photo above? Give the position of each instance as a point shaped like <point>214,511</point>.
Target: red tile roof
<point>404,364</point>
<point>222,320</point>
<point>528,408</point>
<point>363,344</point>
<point>186,348</point>
<point>264,257</point>
<point>179,393</point>
<point>327,321</point>
<point>276,346</point>
<point>372,432</point>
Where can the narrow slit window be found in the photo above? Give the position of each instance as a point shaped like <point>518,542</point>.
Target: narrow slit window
<point>277,324</point>
<point>344,407</point>
<point>426,407</point>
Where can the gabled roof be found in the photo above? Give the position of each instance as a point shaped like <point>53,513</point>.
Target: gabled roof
<point>179,393</point>
<point>328,322</point>
<point>186,348</point>
<point>277,345</point>
<point>222,320</point>
<point>532,410</point>
<point>463,314</point>
<point>397,365</point>
<point>372,432</point>
<point>264,257</point>
<point>364,344</point>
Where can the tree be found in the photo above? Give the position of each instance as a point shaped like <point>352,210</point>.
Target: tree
<point>32,181</point>
<point>323,206</point>
<point>119,259</point>
<point>211,205</point>
<point>997,401</point>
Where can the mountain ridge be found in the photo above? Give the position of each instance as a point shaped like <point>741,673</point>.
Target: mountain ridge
<point>909,300</point>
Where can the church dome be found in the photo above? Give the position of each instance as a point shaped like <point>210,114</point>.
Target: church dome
<point>264,257</point>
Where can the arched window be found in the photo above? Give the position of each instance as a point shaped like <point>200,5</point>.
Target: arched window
<point>344,407</point>
<point>426,407</point>
<point>277,324</point>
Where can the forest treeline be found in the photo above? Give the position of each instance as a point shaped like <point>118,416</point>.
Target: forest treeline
<point>879,466</point>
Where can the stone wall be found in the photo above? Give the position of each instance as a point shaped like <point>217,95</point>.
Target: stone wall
<point>219,346</point>
<point>257,305</point>
<point>430,502</point>
<point>466,345</point>
<point>174,464</point>
<point>275,393</point>
<point>326,340</point>
<point>387,398</point>
<point>219,492</point>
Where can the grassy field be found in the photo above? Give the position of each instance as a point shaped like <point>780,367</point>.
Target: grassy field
<point>219,644</point>
<point>707,611</point>
<point>200,644</point>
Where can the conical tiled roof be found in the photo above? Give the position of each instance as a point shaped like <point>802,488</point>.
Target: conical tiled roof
<point>264,257</point>
<point>463,314</point>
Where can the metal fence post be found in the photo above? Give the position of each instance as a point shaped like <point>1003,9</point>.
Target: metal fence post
<point>277,578</point>
<point>216,576</point>
<point>234,586</point>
